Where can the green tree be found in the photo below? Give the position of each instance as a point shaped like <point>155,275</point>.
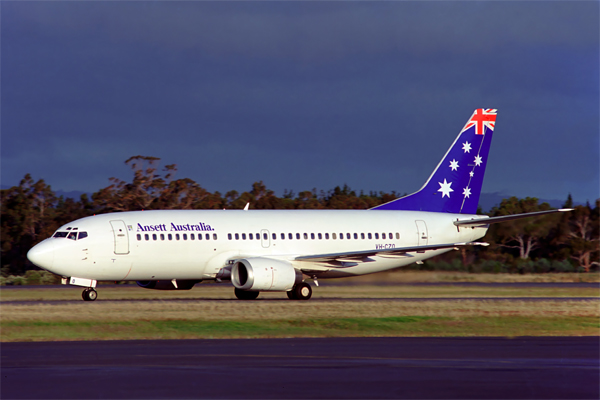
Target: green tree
<point>522,234</point>
<point>142,193</point>
<point>583,235</point>
<point>28,217</point>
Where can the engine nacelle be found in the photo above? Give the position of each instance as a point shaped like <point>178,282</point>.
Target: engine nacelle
<point>168,285</point>
<point>264,274</point>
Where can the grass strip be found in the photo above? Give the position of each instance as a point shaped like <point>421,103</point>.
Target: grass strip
<point>403,326</point>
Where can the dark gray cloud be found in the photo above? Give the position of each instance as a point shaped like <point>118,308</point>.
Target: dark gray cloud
<point>302,94</point>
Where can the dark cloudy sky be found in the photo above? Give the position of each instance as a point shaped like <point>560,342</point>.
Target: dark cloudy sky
<point>300,95</point>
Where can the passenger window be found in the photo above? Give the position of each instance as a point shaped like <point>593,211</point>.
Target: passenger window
<point>200,236</point>
<point>177,236</point>
<point>237,236</point>
<point>312,236</point>
<point>341,235</point>
<point>162,236</point>
<point>139,237</point>
<point>170,237</point>
<point>390,236</point>
<point>290,236</point>
<point>214,236</point>
<point>265,237</point>
<point>185,236</point>
<point>258,236</point>
<point>383,235</point>
<point>274,236</point>
<point>377,236</point>
<point>146,237</point>
<point>397,235</point>
<point>82,235</point>
<point>250,236</point>
<point>283,236</point>
<point>362,235</point>
<point>320,236</point>
<point>192,236</point>
<point>229,236</point>
<point>369,235</point>
<point>298,236</point>
<point>327,236</point>
<point>305,236</point>
<point>333,236</point>
<point>154,236</point>
<point>348,236</point>
<point>356,236</point>
<point>207,236</point>
<point>243,236</point>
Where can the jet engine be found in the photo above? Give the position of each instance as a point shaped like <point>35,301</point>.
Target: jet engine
<point>168,285</point>
<point>264,274</point>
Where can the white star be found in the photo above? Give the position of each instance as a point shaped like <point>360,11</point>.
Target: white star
<point>467,147</point>
<point>454,165</point>
<point>445,188</point>
<point>466,192</point>
<point>471,174</point>
<point>478,160</point>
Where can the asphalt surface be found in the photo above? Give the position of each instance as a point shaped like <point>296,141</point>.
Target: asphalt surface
<point>348,368</point>
<point>315,300</point>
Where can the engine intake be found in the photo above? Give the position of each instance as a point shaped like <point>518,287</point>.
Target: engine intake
<point>264,274</point>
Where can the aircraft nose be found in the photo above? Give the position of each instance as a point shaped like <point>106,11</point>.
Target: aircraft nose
<point>42,254</point>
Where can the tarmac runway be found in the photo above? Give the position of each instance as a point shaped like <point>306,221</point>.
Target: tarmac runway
<point>393,368</point>
<point>315,300</point>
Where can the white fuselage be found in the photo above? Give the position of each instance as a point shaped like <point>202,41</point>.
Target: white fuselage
<point>165,245</point>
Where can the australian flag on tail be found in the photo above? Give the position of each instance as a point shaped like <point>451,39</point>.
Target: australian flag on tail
<point>455,185</point>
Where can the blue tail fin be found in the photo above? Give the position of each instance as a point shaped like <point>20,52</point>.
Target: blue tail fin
<point>455,185</point>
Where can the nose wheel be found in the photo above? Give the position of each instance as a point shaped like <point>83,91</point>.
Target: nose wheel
<point>89,294</point>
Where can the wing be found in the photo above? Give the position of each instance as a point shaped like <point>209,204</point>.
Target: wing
<point>351,259</point>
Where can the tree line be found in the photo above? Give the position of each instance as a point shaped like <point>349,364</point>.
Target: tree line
<point>31,212</point>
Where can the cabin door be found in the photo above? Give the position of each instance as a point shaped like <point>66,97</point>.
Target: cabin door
<point>423,237</point>
<point>264,238</point>
<point>121,237</point>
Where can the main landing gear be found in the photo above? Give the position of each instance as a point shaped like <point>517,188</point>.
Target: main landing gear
<point>89,294</point>
<point>302,291</point>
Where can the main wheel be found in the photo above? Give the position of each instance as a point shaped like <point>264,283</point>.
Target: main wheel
<point>245,294</point>
<point>89,294</point>
<point>302,291</point>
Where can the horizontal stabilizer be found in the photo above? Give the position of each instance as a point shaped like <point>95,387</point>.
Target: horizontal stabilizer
<point>504,218</point>
<point>363,256</point>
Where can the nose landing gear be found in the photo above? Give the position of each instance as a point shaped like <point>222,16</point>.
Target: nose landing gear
<point>89,294</point>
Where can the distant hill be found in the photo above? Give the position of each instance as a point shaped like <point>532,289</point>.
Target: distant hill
<point>74,194</point>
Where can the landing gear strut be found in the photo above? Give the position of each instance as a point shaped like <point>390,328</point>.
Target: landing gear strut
<point>301,291</point>
<point>245,294</point>
<point>89,294</point>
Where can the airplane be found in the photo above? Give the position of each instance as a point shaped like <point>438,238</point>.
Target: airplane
<point>279,250</point>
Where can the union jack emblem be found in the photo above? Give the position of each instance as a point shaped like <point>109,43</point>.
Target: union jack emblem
<point>482,118</point>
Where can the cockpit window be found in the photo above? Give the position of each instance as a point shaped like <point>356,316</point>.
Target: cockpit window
<point>72,235</point>
<point>60,234</point>
<point>82,235</point>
